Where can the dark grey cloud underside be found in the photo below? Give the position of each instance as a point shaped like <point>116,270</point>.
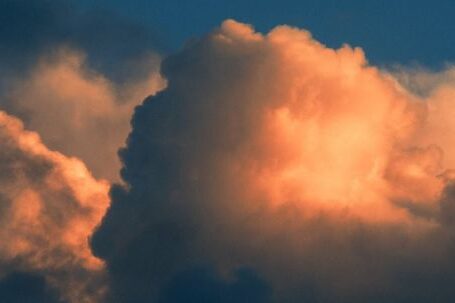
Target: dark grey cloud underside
<point>26,288</point>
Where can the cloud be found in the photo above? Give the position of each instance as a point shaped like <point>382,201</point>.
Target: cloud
<point>300,162</point>
<point>12,289</point>
<point>438,91</point>
<point>72,78</point>
<point>77,110</point>
<point>50,205</point>
<point>74,75</point>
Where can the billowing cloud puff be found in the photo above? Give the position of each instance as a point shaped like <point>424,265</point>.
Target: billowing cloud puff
<point>78,111</point>
<point>82,69</point>
<point>438,90</point>
<point>50,204</point>
<point>298,164</point>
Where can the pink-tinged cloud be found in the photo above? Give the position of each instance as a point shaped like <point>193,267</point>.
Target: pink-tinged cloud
<point>78,111</point>
<point>50,205</point>
<point>437,90</point>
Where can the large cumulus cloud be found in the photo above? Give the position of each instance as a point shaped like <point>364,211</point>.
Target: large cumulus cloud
<point>50,205</point>
<point>300,165</point>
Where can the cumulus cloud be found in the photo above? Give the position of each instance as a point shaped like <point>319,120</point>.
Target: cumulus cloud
<point>50,205</point>
<point>79,111</point>
<point>302,164</point>
<point>74,75</point>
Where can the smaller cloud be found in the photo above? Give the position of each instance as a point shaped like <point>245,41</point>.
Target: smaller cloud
<point>50,205</point>
<point>79,111</point>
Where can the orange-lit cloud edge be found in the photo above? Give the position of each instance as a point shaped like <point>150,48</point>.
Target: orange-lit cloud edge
<point>340,135</point>
<point>52,205</point>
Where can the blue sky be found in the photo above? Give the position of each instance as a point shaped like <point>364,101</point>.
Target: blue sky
<point>403,31</point>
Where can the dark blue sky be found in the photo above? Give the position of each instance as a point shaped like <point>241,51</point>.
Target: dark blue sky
<point>398,31</point>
